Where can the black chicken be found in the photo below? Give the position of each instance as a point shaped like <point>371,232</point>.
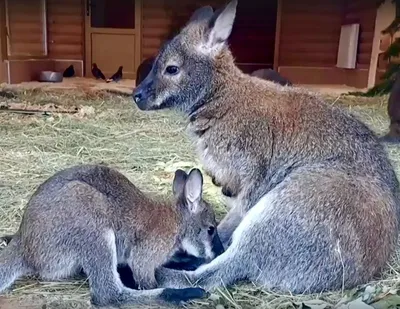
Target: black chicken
<point>117,76</point>
<point>97,73</point>
<point>69,72</point>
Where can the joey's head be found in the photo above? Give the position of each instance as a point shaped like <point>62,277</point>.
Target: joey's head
<point>198,228</point>
<point>184,72</point>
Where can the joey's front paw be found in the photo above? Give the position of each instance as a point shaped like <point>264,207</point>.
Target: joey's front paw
<point>171,278</point>
<point>215,182</point>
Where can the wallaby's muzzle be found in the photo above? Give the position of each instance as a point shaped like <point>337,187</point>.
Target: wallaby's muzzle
<point>143,93</point>
<point>140,98</point>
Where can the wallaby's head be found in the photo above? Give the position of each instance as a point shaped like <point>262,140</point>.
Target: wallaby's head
<point>198,230</point>
<point>183,73</point>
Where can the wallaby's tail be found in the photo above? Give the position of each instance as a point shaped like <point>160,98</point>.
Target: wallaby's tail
<point>161,296</point>
<point>12,265</point>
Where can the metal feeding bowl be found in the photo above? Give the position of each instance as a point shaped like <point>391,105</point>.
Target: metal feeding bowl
<point>50,77</point>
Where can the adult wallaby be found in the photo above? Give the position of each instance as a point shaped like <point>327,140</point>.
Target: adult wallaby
<point>315,200</point>
<point>393,110</point>
<point>91,218</point>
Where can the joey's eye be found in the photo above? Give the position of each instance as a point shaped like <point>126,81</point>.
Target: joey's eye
<point>211,230</point>
<point>172,70</point>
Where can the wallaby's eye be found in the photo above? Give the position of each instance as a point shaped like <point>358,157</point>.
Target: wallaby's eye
<point>172,70</point>
<point>211,230</point>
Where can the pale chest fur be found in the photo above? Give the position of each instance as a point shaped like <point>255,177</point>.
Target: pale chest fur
<point>217,163</point>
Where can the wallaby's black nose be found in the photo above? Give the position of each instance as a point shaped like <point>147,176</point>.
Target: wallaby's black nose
<point>137,96</point>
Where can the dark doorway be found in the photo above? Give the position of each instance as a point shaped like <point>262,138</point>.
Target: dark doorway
<point>253,36</point>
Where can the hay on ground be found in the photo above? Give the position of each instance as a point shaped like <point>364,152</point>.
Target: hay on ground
<point>146,147</point>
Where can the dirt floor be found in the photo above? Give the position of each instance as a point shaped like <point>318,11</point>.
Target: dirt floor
<point>126,86</point>
<point>147,148</point>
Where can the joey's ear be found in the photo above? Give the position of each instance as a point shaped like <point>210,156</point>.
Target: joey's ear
<point>179,182</point>
<point>221,25</point>
<point>203,14</point>
<point>194,189</point>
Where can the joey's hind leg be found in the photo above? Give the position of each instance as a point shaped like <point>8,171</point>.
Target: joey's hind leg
<point>224,270</point>
<point>99,261</point>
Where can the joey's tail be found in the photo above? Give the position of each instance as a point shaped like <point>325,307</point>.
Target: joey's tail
<point>162,296</point>
<point>12,265</point>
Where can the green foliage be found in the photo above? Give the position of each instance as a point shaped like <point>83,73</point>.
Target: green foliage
<point>387,82</point>
<point>393,51</point>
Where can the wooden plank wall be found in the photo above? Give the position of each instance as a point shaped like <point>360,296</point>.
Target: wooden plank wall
<point>364,13</point>
<point>25,28</point>
<point>310,31</point>
<point>65,28</point>
<point>156,25</point>
<point>65,20</point>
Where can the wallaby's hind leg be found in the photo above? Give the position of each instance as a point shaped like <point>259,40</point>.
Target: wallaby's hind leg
<point>12,265</point>
<point>100,264</point>
<point>223,270</point>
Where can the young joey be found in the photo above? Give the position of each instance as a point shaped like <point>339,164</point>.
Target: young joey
<point>91,218</point>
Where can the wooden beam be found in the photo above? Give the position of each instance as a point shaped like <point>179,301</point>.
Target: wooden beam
<point>88,41</point>
<point>3,42</point>
<point>277,34</point>
<point>384,16</point>
<point>138,33</point>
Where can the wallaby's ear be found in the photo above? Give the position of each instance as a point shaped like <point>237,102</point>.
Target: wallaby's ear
<point>178,185</point>
<point>203,14</point>
<point>221,25</point>
<point>194,189</point>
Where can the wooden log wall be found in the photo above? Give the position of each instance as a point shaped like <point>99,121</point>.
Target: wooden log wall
<point>65,20</point>
<point>25,28</point>
<point>310,31</point>
<point>65,28</point>
<point>364,13</point>
<point>162,18</point>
